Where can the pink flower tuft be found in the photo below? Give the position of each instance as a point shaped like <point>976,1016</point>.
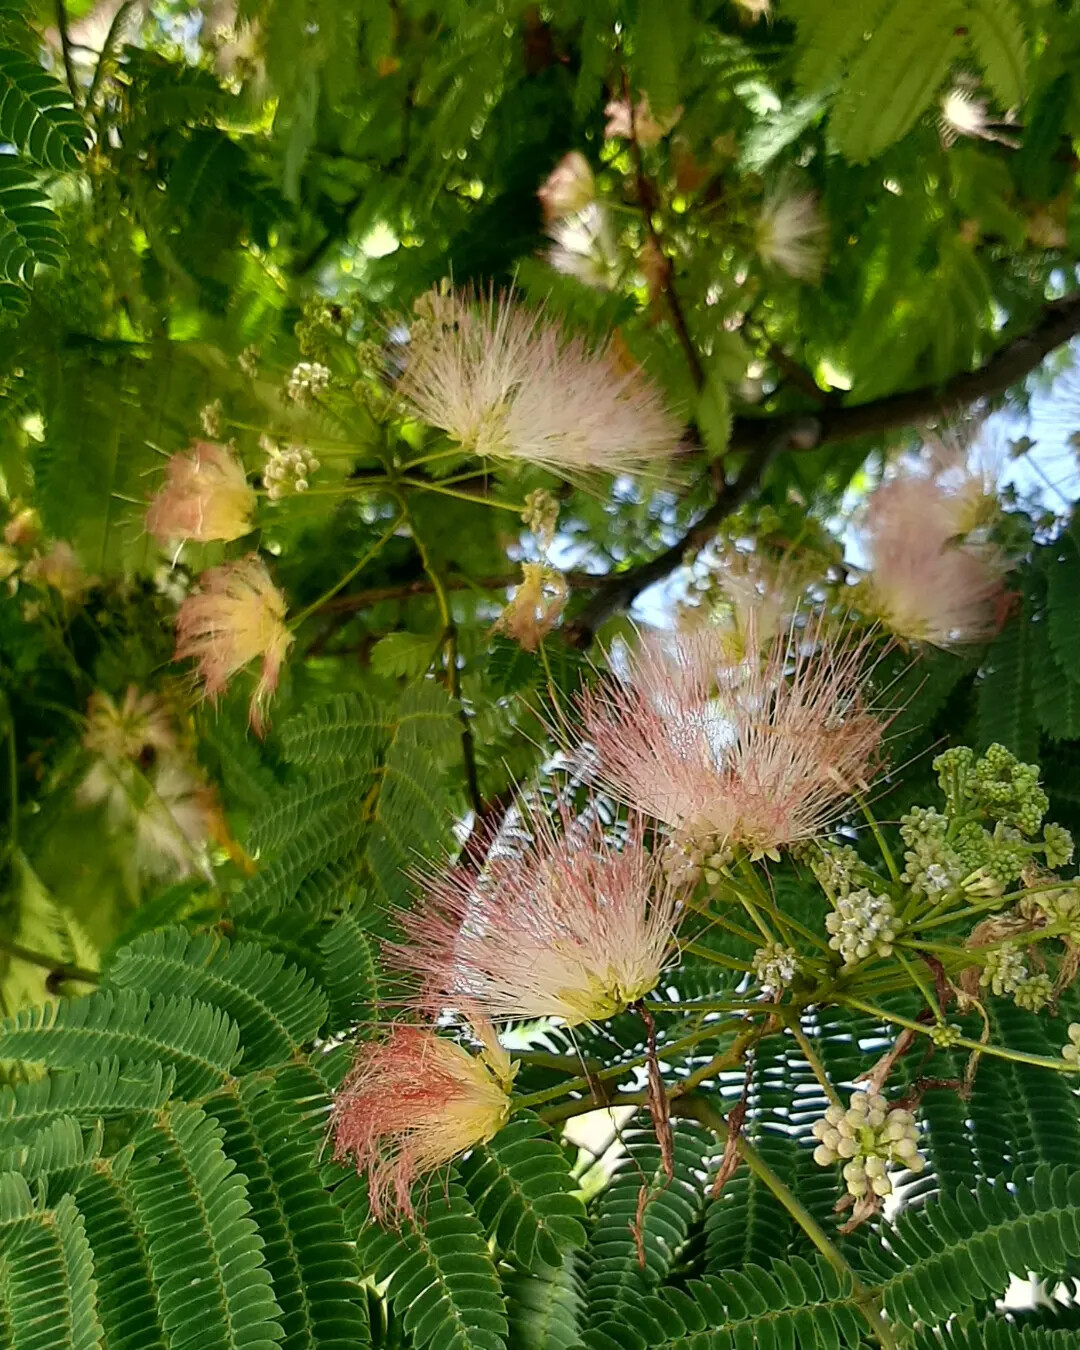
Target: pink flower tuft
<point>507,384</point>
<point>927,582</point>
<point>411,1104</point>
<point>206,496</point>
<point>755,753</point>
<point>790,233</point>
<point>568,188</point>
<point>236,615</point>
<point>570,926</point>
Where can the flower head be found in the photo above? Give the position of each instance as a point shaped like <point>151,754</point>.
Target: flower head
<point>754,753</point>
<point>640,124</point>
<point>139,726</point>
<point>790,234</point>
<point>536,606</point>
<point>236,615</point>
<point>570,926</point>
<point>506,383</point>
<point>411,1104</point>
<point>206,496</point>
<point>568,188</point>
<point>925,582</point>
<point>60,569</point>
<point>583,246</point>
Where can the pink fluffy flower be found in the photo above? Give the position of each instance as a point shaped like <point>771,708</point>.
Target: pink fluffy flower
<point>205,496</point>
<point>926,581</point>
<point>236,615</point>
<point>571,926</point>
<point>568,188</point>
<point>413,1103</point>
<point>755,753</point>
<point>790,233</point>
<point>508,384</point>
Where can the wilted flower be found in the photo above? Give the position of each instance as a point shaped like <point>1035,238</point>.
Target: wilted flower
<point>534,611</point>
<point>506,383</point>
<point>756,753</point>
<point>583,246</point>
<point>569,926</point>
<point>790,234</point>
<point>568,188</point>
<point>925,583</point>
<point>411,1104</point>
<point>236,615</point>
<point>205,496</point>
<point>642,126</point>
<point>60,569</point>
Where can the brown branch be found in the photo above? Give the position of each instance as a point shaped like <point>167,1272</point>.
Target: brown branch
<point>762,438</point>
<point>647,201</point>
<point>65,47</point>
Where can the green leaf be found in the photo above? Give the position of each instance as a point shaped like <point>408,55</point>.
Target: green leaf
<point>49,1295</point>
<point>714,414</point>
<point>29,231</point>
<point>523,1193</point>
<point>200,1043</point>
<point>36,114</point>
<point>1061,563</point>
<point>277,1009</point>
<point>895,76</point>
<point>830,35</point>
<point>351,973</point>
<point>544,1309</point>
<point>206,1254</point>
<point>106,1090</point>
<point>1000,42</point>
<point>403,654</point>
<point>1057,697</point>
<point>1006,710</point>
<point>442,1281</point>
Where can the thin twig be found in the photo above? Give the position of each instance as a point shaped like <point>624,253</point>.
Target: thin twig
<point>65,46</point>
<point>60,970</point>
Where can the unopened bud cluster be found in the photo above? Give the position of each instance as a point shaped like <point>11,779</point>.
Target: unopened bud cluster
<point>308,379</point>
<point>687,861</point>
<point>1006,972</point>
<point>1070,1052</point>
<point>775,966</point>
<point>287,469</point>
<point>867,1137</point>
<point>836,868</point>
<point>862,925</point>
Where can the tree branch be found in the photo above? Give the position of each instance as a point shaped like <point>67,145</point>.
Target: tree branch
<point>373,595</point>
<point>65,47</point>
<point>762,438</point>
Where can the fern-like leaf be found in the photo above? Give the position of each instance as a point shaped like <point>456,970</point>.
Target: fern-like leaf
<point>1000,43</point>
<point>36,114</point>
<point>102,1091</point>
<point>206,1255</point>
<point>199,1042</point>
<point>277,1009</point>
<point>521,1188</point>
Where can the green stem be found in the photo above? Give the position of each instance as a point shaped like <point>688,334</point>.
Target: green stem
<point>811,1057</point>
<point>425,486</point>
<point>965,1042</point>
<point>49,963</point>
<point>13,770</point>
<point>915,975</point>
<point>728,962</point>
<point>879,838</point>
<point>306,613</point>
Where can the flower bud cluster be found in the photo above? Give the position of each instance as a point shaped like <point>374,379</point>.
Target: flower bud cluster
<point>775,966</point>
<point>1059,907</point>
<point>861,925</point>
<point>687,860</point>
<point>287,469</point>
<point>1070,1052</point>
<point>867,1137</point>
<point>835,868</point>
<point>931,865</point>
<point>308,379</point>
<point>1006,972</point>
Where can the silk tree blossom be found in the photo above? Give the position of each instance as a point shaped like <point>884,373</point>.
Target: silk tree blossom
<point>60,569</point>
<point>507,383</point>
<point>926,582</point>
<point>236,615</point>
<point>639,125</point>
<point>754,753</point>
<point>570,926</point>
<point>568,188</point>
<point>138,727</point>
<point>206,496</point>
<point>583,246</point>
<point>790,233</point>
<point>413,1103</point>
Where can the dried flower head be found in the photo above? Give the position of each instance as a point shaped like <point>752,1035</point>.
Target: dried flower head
<point>755,753</point>
<point>570,926</point>
<point>925,583</point>
<point>535,609</point>
<point>506,383</point>
<point>137,728</point>
<point>411,1104</point>
<point>568,188</point>
<point>236,615</point>
<point>790,233</point>
<point>205,496</point>
<point>638,124</point>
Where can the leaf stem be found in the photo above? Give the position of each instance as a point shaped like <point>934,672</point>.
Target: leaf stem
<point>308,610</point>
